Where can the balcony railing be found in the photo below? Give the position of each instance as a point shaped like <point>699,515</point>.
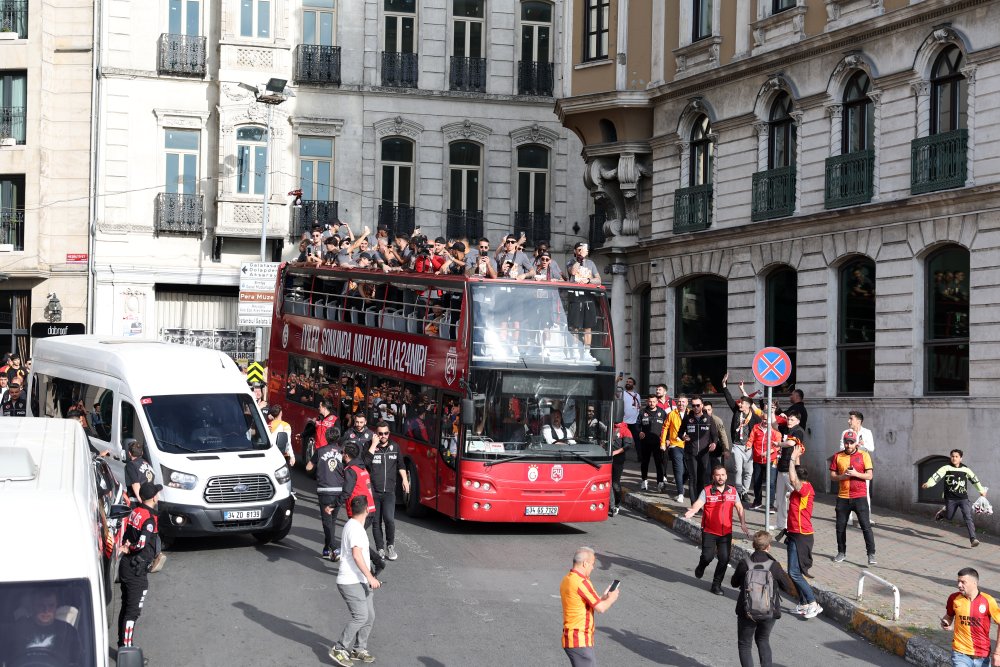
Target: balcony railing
<point>692,208</point>
<point>12,227</point>
<point>14,17</point>
<point>773,194</point>
<point>849,179</point>
<point>181,55</point>
<point>396,219</point>
<point>12,124</point>
<point>318,65</point>
<point>465,224</point>
<point>597,237</point>
<point>312,212</point>
<point>399,70</point>
<point>179,214</point>
<point>534,78</point>
<point>536,227</point>
<point>938,162</point>
<point>468,74</point>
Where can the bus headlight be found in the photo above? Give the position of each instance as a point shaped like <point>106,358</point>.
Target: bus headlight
<point>178,480</point>
<point>281,475</point>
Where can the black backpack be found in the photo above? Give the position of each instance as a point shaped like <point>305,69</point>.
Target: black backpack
<point>758,591</point>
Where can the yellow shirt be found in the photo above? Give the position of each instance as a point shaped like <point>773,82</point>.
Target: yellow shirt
<point>673,429</point>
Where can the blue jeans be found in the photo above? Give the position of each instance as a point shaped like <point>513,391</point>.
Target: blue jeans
<point>806,594</point>
<point>677,460</point>
<point>962,660</point>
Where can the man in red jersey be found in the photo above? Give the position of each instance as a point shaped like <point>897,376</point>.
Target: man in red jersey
<point>852,468</point>
<point>719,499</point>
<point>968,614</point>
<point>800,533</point>
<point>579,602</point>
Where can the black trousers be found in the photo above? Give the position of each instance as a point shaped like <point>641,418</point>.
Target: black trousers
<point>650,447</point>
<point>634,430</point>
<point>617,467</point>
<point>134,584</point>
<point>691,472</point>
<point>860,507</point>
<point>713,546</point>
<point>385,512</point>
<point>966,506</point>
<point>329,521</point>
<point>747,632</point>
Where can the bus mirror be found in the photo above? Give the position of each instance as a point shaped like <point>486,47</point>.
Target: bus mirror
<point>129,656</point>
<point>617,412</point>
<point>468,412</point>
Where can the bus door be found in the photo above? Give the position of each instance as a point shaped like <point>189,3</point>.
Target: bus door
<point>447,459</point>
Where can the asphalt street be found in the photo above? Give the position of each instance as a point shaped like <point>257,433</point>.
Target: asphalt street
<point>460,594</point>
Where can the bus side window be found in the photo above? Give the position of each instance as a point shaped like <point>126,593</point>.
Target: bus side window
<point>131,428</point>
<point>451,423</point>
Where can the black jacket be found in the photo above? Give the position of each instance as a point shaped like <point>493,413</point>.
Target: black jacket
<point>781,580</point>
<point>384,466</point>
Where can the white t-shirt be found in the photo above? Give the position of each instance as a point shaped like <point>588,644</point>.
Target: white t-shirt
<point>354,535</point>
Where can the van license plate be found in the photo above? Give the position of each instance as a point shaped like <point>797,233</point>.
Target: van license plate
<point>533,510</point>
<point>240,515</point>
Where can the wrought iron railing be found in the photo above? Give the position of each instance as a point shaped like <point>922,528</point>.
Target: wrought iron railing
<point>182,55</point>
<point>465,224</point>
<point>596,235</point>
<point>849,179</point>
<point>396,219</point>
<point>536,227</point>
<point>179,214</point>
<point>399,70</point>
<point>468,74</point>
<point>692,208</point>
<point>773,194</point>
<point>313,212</point>
<point>938,162</point>
<point>315,64</point>
<point>535,78</point>
<point>12,124</point>
<point>12,227</point>
<point>14,17</point>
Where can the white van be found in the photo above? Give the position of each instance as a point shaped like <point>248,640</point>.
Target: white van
<point>195,416</point>
<point>54,581</point>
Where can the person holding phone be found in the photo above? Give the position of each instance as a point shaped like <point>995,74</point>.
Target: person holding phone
<point>579,602</point>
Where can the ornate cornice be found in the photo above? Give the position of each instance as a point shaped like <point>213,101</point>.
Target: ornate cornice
<point>535,134</point>
<point>317,127</point>
<point>397,126</point>
<point>466,130</point>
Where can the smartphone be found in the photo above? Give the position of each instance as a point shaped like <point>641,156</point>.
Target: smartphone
<point>614,585</point>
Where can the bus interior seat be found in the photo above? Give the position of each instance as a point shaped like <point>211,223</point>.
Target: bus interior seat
<point>413,325</point>
<point>371,316</point>
<point>319,307</point>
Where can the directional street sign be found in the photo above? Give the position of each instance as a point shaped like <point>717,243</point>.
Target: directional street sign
<point>255,372</point>
<point>772,367</point>
<point>257,293</point>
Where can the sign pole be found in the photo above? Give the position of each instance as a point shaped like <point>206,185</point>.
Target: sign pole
<point>767,465</point>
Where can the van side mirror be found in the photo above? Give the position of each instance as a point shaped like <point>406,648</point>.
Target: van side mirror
<point>129,656</point>
<point>281,440</point>
<point>468,412</point>
<point>119,511</point>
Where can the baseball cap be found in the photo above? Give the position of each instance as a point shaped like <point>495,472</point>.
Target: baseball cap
<point>510,237</point>
<point>149,490</point>
<point>459,246</point>
<point>580,246</point>
<point>366,255</point>
<point>850,437</point>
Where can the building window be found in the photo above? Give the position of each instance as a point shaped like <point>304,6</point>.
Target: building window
<point>532,179</point>
<point>318,22</point>
<point>465,165</point>
<point>468,28</point>
<point>781,134</point>
<point>15,320</point>
<point>397,171</point>
<point>182,161</point>
<point>859,114</point>
<point>255,18</point>
<point>856,328</point>
<point>400,26</point>
<point>645,349</point>
<point>781,315</point>
<point>596,19</point>
<point>251,159</point>
<point>316,168</point>
<point>781,5</point>
<point>946,348</point>
<point>700,170</point>
<point>13,105</point>
<point>184,17</point>
<point>702,323</point>
<point>949,97</point>
<point>701,20</point>
<point>536,32</point>
<point>11,214</point>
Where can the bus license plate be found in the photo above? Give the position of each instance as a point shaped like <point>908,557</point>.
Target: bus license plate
<point>240,515</point>
<point>534,510</point>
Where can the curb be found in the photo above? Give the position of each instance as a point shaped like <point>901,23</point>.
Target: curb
<point>914,649</point>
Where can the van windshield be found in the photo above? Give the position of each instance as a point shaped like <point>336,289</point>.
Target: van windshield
<point>47,623</point>
<point>205,423</point>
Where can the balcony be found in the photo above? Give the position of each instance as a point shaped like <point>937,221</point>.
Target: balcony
<point>12,228</point>
<point>596,236</point>
<point>179,214</point>
<point>317,65</point>
<point>465,224</point>
<point>14,17</point>
<point>396,219</point>
<point>692,208</point>
<point>312,212</point>
<point>849,179</point>
<point>181,55</point>
<point>773,194</point>
<point>938,162</point>
<point>534,78</point>
<point>12,125</point>
<point>399,70</point>
<point>467,74</point>
<point>536,227</point>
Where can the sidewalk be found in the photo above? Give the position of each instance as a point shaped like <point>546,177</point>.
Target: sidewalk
<point>919,556</point>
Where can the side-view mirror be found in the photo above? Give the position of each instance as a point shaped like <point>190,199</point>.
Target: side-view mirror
<point>468,412</point>
<point>281,440</point>
<point>120,512</point>
<point>129,656</point>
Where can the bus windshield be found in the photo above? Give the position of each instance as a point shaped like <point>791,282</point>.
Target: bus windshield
<point>205,423</point>
<point>539,416</point>
<point>47,623</point>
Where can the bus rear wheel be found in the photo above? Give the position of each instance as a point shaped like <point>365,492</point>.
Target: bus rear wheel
<point>412,499</point>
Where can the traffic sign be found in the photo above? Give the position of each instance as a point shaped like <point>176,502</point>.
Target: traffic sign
<point>256,301</point>
<point>255,372</point>
<point>772,367</point>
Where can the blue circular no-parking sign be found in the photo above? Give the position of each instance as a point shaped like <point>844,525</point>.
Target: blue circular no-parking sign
<point>772,367</point>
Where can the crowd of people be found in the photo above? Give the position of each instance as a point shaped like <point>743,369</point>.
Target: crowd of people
<point>13,382</point>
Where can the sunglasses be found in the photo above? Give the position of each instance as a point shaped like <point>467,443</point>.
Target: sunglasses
<point>543,259</point>
<point>383,435</point>
<point>484,247</point>
<point>696,405</point>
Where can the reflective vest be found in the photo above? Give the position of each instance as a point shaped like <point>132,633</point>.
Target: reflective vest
<point>362,485</point>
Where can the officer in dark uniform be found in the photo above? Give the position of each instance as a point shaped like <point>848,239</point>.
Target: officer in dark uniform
<point>138,550</point>
<point>383,461</point>
<point>16,404</point>
<point>137,470</point>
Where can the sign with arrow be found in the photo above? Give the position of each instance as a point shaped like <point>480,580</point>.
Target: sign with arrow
<point>256,303</point>
<point>255,372</point>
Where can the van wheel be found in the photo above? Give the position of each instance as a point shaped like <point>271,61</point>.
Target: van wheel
<point>166,541</point>
<point>412,499</point>
<point>273,535</point>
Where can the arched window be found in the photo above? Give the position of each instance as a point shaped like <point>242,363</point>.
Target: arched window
<point>700,169</point>
<point>856,328</point>
<point>781,134</point>
<point>702,315</point>
<point>251,159</point>
<point>949,98</point>
<point>609,133</point>
<point>925,469</point>
<point>859,113</point>
<point>532,217</point>
<point>465,164</point>
<point>396,209</point>
<point>946,356</point>
<point>781,306</point>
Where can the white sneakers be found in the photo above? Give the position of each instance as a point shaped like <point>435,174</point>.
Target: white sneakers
<point>644,486</point>
<point>811,610</point>
<point>680,498</point>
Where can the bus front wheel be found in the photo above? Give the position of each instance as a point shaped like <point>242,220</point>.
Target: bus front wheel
<point>412,499</point>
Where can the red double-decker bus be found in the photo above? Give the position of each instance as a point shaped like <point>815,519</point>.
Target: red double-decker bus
<point>499,399</point>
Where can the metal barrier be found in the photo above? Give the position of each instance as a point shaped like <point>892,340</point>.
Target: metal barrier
<point>892,587</point>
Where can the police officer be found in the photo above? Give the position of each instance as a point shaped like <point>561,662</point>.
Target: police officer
<point>652,441</point>
<point>359,433</point>
<point>328,462</point>
<point>16,405</point>
<point>138,550</point>
<point>382,459</point>
<point>357,482</point>
<point>702,451</point>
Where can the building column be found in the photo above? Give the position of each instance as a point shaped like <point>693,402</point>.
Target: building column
<point>970,124</point>
<point>922,93</point>
<point>621,58</point>
<point>619,293</point>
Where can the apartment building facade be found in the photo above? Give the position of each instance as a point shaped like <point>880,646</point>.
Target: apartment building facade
<point>820,175</point>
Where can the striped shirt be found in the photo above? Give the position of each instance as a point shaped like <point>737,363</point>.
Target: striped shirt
<point>800,510</point>
<point>972,623</point>
<point>578,600</point>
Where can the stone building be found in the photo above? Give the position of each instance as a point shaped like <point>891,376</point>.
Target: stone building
<point>817,175</point>
<point>435,114</point>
